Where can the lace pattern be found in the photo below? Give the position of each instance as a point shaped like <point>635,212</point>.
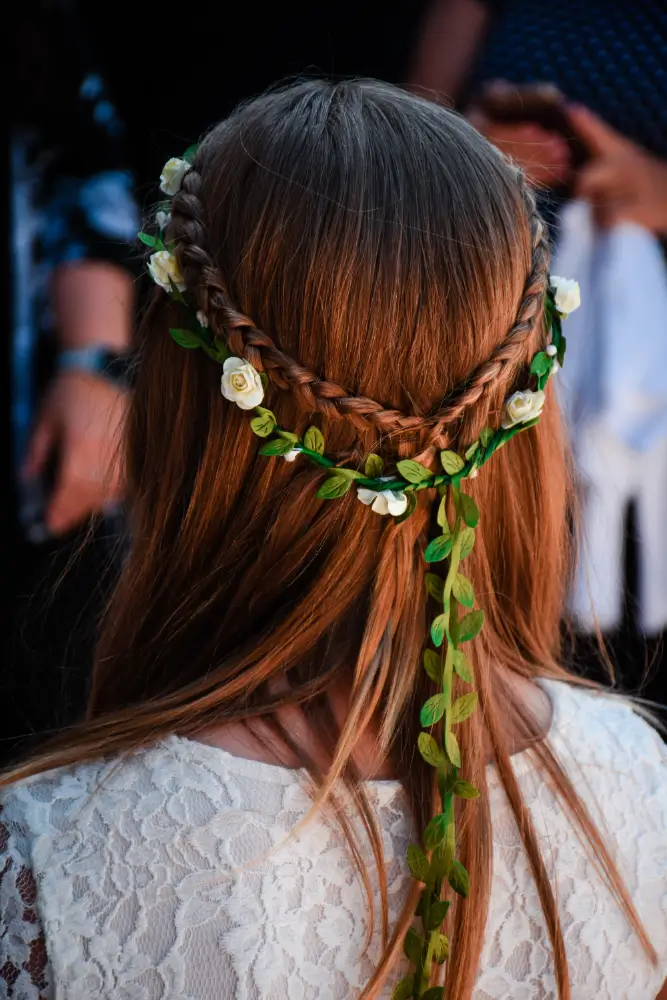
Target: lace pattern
<point>174,874</point>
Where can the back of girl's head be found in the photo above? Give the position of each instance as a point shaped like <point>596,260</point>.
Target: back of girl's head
<point>377,259</point>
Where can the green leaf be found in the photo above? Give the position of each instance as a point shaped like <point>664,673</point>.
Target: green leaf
<point>264,424</point>
<point>374,466</point>
<point>190,153</point>
<point>463,707</point>
<point>485,436</point>
<point>422,905</point>
<point>541,364</point>
<point>430,750</point>
<point>146,238</point>
<point>335,486</point>
<point>464,789</point>
<point>313,440</point>
<point>438,628</point>
<point>462,666</point>
<point>561,346</point>
<point>185,338</point>
<point>442,514</point>
<point>410,509</point>
<point>418,863</point>
<point>467,537</point>
<point>469,510</point>
<point>471,625</point>
<point>438,912</point>
<point>289,436</point>
<point>441,950</point>
<point>276,447</point>
<point>452,747</point>
<point>413,946</point>
<point>434,993</point>
<point>471,450</point>
<point>462,590</point>
<point>433,665</point>
<point>451,462</point>
<point>264,379</point>
<point>439,548</point>
<point>218,352</point>
<point>459,879</point>
<point>348,473</point>
<point>434,833</point>
<point>433,710</point>
<point>413,471</point>
<point>435,586</point>
<point>405,989</point>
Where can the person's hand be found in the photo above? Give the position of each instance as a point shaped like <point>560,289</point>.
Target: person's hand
<point>622,181</point>
<point>81,416</point>
<point>544,156</point>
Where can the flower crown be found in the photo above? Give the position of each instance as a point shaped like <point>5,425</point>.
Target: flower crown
<point>434,862</point>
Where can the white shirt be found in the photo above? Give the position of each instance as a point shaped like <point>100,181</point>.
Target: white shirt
<point>172,874</point>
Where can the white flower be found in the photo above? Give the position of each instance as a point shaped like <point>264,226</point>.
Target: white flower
<point>473,474</point>
<point>164,271</point>
<point>241,383</point>
<point>385,502</point>
<point>172,175</point>
<point>555,368</point>
<point>521,407</point>
<point>567,295</point>
<point>291,455</point>
<point>202,318</point>
<point>551,351</point>
<point>163,219</point>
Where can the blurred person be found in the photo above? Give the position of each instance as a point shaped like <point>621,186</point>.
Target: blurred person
<point>348,355</point>
<point>73,216</point>
<point>609,63</point>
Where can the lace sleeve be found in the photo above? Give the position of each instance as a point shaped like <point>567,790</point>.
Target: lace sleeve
<point>24,967</point>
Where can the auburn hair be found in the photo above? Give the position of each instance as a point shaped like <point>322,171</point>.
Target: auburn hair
<point>386,268</point>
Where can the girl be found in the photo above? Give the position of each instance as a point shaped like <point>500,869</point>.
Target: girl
<point>267,735</point>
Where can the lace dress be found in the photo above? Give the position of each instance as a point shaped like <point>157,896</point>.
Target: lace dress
<point>172,874</point>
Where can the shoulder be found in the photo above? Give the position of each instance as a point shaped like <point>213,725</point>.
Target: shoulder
<point>600,727</point>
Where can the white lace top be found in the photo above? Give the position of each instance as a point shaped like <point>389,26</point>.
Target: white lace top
<point>171,874</point>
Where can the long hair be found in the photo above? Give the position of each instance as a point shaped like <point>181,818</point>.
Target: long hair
<point>386,268</point>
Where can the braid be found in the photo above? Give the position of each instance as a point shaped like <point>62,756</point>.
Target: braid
<point>511,351</point>
<point>205,281</point>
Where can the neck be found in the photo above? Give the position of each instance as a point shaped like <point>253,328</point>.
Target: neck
<point>261,743</point>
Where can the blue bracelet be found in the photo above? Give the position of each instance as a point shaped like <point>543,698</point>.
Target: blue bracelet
<point>95,360</point>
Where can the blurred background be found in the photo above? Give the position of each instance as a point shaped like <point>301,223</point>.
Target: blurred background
<point>574,90</point>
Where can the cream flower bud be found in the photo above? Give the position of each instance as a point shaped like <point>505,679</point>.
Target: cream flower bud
<point>241,383</point>
<point>521,407</point>
<point>291,455</point>
<point>202,318</point>
<point>164,271</point>
<point>385,502</point>
<point>172,175</point>
<point>551,351</point>
<point>163,219</point>
<point>567,295</point>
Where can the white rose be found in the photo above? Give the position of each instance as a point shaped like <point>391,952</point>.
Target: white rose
<point>172,175</point>
<point>163,219</point>
<point>291,455</point>
<point>164,271</point>
<point>521,407</point>
<point>241,383</point>
<point>386,502</point>
<point>202,318</point>
<point>567,295</point>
